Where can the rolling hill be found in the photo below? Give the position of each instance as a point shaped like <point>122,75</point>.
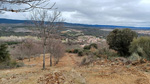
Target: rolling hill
<point>11,21</point>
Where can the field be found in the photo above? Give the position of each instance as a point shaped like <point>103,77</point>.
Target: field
<point>68,71</point>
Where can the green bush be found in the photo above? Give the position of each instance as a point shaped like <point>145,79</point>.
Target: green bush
<point>93,45</point>
<point>4,54</point>
<point>141,46</point>
<point>134,57</point>
<point>107,52</point>
<point>12,43</point>
<point>69,51</point>
<point>11,64</point>
<point>75,51</point>
<point>72,51</point>
<point>80,53</point>
<point>87,47</point>
<point>120,39</point>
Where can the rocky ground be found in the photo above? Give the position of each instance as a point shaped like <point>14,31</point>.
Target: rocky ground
<point>68,71</point>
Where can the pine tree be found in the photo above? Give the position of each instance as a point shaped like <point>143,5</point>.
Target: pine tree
<point>4,53</point>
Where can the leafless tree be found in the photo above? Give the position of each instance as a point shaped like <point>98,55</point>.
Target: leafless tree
<point>9,5</point>
<point>28,48</point>
<point>56,49</point>
<point>18,52</point>
<point>37,49</point>
<point>46,23</point>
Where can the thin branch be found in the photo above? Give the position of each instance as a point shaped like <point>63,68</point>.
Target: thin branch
<point>32,4</point>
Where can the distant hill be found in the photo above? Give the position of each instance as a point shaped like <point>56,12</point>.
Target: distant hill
<point>10,21</point>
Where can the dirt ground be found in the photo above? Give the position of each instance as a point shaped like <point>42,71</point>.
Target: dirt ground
<point>68,72</point>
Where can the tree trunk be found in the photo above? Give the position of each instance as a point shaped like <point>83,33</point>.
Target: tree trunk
<point>56,61</point>
<point>50,60</point>
<point>44,49</point>
<point>29,58</point>
<point>34,57</point>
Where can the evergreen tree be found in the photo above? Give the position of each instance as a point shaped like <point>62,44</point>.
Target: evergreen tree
<point>4,53</point>
<point>120,39</point>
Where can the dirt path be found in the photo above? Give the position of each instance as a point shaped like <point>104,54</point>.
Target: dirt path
<point>70,73</point>
<point>33,70</point>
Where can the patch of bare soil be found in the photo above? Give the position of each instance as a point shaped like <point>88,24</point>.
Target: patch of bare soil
<point>68,72</point>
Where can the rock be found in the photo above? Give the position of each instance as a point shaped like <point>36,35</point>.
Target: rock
<point>3,79</point>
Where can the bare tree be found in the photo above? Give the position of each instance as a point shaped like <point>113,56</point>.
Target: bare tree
<point>37,49</point>
<point>28,47</point>
<point>9,5</point>
<point>46,23</point>
<point>18,52</point>
<point>56,49</point>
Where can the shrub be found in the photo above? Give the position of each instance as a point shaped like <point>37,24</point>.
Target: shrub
<point>87,47</point>
<point>107,52</point>
<point>141,46</point>
<point>11,64</point>
<point>119,40</point>
<point>93,45</point>
<point>80,53</point>
<point>83,61</point>
<point>4,54</point>
<point>20,58</point>
<point>72,51</point>
<point>86,52</point>
<point>12,43</point>
<point>69,51</point>
<point>75,51</point>
<point>134,57</point>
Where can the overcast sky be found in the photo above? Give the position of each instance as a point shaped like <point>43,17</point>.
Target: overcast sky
<point>102,12</point>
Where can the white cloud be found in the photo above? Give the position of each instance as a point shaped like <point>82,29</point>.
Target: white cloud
<point>108,12</point>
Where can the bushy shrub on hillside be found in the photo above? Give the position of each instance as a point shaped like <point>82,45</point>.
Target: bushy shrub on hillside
<point>11,64</point>
<point>80,53</point>
<point>134,57</point>
<point>93,45</point>
<point>106,53</point>
<point>5,60</point>
<point>88,47</point>
<point>75,51</point>
<point>141,46</point>
<point>119,40</point>
<point>4,54</point>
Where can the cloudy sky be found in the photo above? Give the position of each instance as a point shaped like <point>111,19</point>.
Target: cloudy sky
<point>102,12</point>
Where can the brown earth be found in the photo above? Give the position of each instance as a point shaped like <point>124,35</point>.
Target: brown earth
<point>68,72</point>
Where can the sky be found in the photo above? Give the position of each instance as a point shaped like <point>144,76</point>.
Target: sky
<point>102,12</point>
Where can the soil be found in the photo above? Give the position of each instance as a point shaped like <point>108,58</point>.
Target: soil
<point>68,71</point>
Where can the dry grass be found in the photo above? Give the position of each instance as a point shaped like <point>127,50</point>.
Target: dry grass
<point>96,73</point>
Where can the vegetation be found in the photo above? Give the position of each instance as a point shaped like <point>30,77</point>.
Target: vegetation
<point>93,31</point>
<point>119,40</point>
<point>5,60</point>
<point>4,53</point>
<point>56,50</point>
<point>80,53</point>
<point>141,47</point>
<point>48,30</point>
<point>88,47</point>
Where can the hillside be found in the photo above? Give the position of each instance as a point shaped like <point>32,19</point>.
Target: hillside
<point>68,72</point>
<point>77,25</point>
